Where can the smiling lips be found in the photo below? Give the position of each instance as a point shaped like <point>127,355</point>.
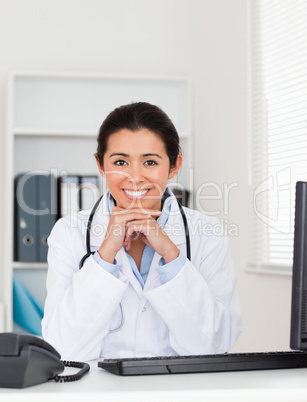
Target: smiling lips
<point>135,195</point>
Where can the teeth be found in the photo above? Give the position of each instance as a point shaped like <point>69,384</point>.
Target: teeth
<point>135,193</point>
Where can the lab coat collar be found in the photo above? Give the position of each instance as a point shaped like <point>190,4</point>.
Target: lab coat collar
<point>100,223</point>
<point>175,226</point>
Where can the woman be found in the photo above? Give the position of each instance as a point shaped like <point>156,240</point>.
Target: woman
<point>138,294</point>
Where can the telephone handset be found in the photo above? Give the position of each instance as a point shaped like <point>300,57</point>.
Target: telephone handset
<point>27,360</point>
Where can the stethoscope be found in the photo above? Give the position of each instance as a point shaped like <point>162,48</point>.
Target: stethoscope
<point>89,252</point>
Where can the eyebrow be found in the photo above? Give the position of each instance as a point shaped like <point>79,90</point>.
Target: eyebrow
<point>126,155</point>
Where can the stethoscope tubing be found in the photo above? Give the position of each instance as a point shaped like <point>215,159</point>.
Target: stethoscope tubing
<point>88,234</point>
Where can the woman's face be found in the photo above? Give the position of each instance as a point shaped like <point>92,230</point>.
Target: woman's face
<point>137,168</point>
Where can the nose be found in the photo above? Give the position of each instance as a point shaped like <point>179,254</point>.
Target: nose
<point>136,176</point>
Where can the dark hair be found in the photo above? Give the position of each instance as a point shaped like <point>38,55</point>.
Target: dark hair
<point>137,116</point>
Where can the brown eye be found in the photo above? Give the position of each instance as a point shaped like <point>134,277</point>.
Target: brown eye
<point>151,163</point>
<point>120,163</point>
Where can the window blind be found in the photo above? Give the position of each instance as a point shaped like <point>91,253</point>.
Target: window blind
<point>278,127</point>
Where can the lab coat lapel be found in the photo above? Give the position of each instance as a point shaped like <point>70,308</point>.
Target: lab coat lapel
<point>174,226</point>
<point>99,224</point>
<point>153,275</point>
<point>122,259</point>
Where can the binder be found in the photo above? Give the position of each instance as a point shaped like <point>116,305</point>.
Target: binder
<point>35,215</point>
<point>26,239</point>
<point>76,192</point>
<point>89,191</point>
<point>69,195</point>
<point>47,209</point>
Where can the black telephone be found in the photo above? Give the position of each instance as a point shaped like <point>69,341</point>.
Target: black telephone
<point>27,360</point>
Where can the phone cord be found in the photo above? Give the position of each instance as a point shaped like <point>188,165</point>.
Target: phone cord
<point>85,368</point>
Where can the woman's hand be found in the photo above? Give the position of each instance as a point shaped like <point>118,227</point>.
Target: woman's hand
<point>123,226</point>
<point>117,228</point>
<point>153,236</point>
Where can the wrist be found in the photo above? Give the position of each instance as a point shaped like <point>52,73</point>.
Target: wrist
<point>171,254</point>
<point>106,253</point>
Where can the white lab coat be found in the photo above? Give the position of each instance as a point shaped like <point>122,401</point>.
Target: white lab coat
<point>196,312</point>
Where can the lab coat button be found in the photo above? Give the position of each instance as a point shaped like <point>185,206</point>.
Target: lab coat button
<point>144,309</point>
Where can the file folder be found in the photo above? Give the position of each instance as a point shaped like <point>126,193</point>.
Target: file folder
<point>47,212</point>
<point>26,239</point>
<point>77,192</point>
<point>35,215</point>
<point>89,191</point>
<point>69,200</point>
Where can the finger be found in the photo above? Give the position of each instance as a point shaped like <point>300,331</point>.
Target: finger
<point>128,242</point>
<point>136,217</point>
<point>138,227</point>
<point>148,221</point>
<point>130,236</point>
<point>150,212</point>
<point>127,245</point>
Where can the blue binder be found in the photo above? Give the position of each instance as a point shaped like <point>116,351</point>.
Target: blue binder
<point>26,240</point>
<point>47,213</point>
<point>35,215</point>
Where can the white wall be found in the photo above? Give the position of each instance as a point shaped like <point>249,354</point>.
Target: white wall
<point>204,39</point>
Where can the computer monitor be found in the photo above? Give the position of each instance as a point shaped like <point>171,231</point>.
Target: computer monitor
<point>298,335</point>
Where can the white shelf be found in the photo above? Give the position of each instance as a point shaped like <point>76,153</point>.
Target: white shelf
<point>42,132</point>
<point>80,103</point>
<point>52,124</point>
<point>36,132</point>
<point>29,265</point>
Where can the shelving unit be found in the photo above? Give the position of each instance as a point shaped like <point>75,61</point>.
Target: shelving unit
<point>52,125</point>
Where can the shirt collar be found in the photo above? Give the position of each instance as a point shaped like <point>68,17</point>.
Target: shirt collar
<point>166,202</point>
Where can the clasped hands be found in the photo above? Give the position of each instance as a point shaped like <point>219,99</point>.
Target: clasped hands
<point>127,224</point>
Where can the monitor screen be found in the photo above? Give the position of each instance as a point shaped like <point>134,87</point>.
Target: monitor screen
<point>298,335</point>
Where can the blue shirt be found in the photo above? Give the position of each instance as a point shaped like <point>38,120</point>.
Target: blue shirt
<point>166,271</point>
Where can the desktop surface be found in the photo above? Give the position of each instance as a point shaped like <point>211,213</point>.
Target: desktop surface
<point>289,385</point>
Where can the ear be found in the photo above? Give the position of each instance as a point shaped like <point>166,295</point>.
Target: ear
<point>99,166</point>
<point>174,170</point>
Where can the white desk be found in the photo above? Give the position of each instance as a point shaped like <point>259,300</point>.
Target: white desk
<point>98,385</point>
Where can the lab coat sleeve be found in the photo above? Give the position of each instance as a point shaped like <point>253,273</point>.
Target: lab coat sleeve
<point>171,269</point>
<point>200,305</point>
<point>111,268</point>
<point>80,303</point>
